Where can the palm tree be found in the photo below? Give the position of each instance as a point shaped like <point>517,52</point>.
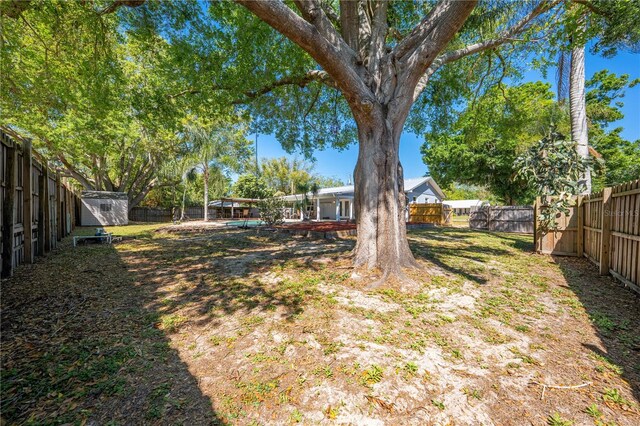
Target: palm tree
<point>215,148</point>
<point>306,188</point>
<point>573,76</point>
<point>205,152</point>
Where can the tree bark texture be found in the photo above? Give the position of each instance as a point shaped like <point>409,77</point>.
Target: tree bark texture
<point>380,201</point>
<point>578,109</point>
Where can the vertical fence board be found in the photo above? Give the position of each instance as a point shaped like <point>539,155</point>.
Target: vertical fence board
<point>514,219</point>
<point>606,232</point>
<point>47,211</point>
<point>428,213</point>
<point>42,208</point>
<point>27,195</point>
<point>29,218</point>
<point>609,227</point>
<point>8,210</point>
<point>3,179</point>
<point>580,234</point>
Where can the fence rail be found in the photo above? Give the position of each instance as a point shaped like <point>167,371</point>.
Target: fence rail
<point>604,227</point>
<point>162,214</point>
<point>38,209</point>
<point>515,219</point>
<point>436,213</point>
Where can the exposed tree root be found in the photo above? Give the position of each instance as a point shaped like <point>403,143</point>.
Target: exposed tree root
<point>395,275</point>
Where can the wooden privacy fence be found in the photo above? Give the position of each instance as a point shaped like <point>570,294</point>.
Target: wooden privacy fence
<point>604,227</point>
<point>38,210</point>
<point>149,214</point>
<point>516,219</point>
<point>162,214</point>
<point>436,213</point>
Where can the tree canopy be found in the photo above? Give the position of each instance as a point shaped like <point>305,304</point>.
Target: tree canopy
<point>251,186</point>
<point>481,145</point>
<point>124,74</point>
<point>284,176</point>
<point>96,98</point>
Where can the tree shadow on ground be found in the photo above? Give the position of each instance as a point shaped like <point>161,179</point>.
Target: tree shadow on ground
<point>80,344</point>
<point>461,257</point>
<point>221,272</point>
<point>518,242</point>
<point>614,312</point>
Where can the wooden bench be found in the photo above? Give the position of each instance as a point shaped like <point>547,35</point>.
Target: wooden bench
<point>101,238</point>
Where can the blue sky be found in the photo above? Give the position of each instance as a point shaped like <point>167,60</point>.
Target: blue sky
<point>340,164</point>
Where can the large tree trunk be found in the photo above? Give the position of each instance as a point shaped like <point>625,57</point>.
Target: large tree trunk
<point>380,200</point>
<point>380,82</point>
<point>578,108</point>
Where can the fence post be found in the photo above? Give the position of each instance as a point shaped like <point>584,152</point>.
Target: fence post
<point>605,244</point>
<point>67,210</point>
<point>59,211</point>
<point>47,209</point>
<point>8,211</point>
<point>580,235</point>
<point>27,194</point>
<point>42,206</point>
<point>536,203</point>
<point>489,218</point>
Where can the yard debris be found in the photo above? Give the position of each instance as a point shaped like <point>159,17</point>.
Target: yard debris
<point>249,327</point>
<point>388,406</point>
<point>547,386</point>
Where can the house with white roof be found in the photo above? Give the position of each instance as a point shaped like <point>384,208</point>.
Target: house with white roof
<point>337,203</point>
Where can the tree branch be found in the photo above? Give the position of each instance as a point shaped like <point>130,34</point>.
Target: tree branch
<point>119,3</point>
<point>592,7</point>
<point>425,29</point>
<point>418,51</point>
<point>314,13</point>
<point>378,35</point>
<point>506,36</point>
<point>331,14</point>
<point>14,8</point>
<point>142,194</point>
<point>75,173</point>
<point>349,20</point>
<point>338,62</point>
<point>301,81</point>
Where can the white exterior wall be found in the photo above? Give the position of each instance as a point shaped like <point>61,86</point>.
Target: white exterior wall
<point>424,194</point>
<point>91,214</point>
<point>327,209</point>
<point>425,190</point>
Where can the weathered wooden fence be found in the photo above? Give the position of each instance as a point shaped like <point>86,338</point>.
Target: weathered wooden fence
<point>150,214</point>
<point>161,214</point>
<point>38,210</point>
<point>604,227</point>
<point>430,213</point>
<point>516,219</point>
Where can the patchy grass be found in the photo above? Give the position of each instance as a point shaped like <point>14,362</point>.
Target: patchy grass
<point>186,325</point>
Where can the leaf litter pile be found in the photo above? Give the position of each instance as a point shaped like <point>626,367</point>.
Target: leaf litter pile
<point>183,325</point>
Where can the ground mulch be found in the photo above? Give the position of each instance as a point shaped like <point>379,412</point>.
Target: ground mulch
<point>228,326</point>
<point>319,226</point>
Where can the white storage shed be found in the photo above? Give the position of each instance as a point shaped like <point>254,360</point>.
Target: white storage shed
<point>104,208</point>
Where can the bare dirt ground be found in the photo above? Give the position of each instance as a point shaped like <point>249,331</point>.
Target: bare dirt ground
<point>186,325</point>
